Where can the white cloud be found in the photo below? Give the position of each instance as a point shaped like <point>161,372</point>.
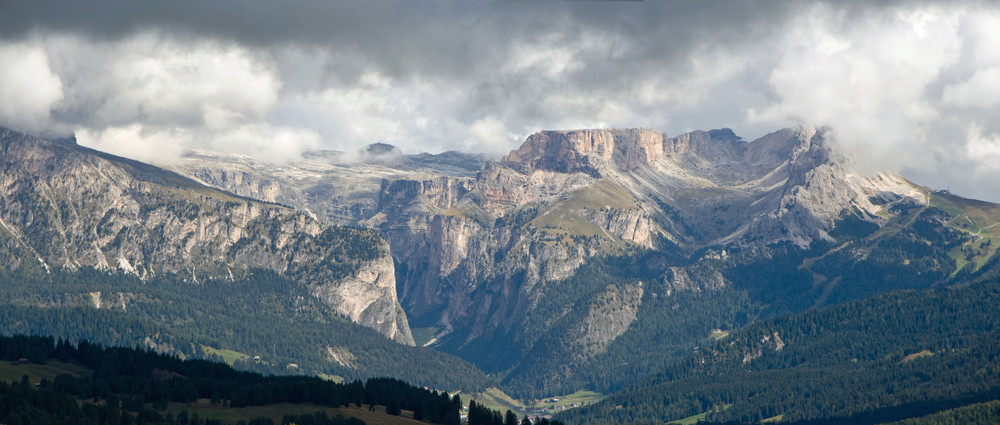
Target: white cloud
<point>149,97</point>
<point>28,87</point>
<point>868,79</point>
<point>982,90</point>
<point>226,96</point>
<point>706,71</point>
<point>372,111</point>
<point>135,141</point>
<point>490,135</point>
<point>980,30</point>
<point>912,89</point>
<point>265,142</point>
<point>984,148</point>
<point>551,56</point>
<point>164,82</point>
<point>160,145</point>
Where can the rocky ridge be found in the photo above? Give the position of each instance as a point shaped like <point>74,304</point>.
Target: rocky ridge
<point>331,186</point>
<point>65,206</point>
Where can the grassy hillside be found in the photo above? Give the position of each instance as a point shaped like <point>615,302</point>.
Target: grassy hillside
<point>275,412</point>
<point>687,295</point>
<point>496,399</point>
<point>980,220</point>
<point>10,372</point>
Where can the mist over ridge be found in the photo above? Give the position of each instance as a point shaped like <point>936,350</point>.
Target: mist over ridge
<point>907,86</point>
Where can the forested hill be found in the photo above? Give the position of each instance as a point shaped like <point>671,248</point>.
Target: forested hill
<point>133,386</point>
<point>890,357</point>
<point>260,322</point>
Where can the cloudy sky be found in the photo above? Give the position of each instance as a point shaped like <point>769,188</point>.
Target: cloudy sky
<point>907,86</point>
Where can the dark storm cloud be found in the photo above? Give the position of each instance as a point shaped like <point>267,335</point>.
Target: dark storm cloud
<point>406,37</point>
<point>902,83</point>
<point>444,39</point>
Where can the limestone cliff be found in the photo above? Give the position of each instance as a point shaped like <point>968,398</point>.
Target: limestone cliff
<point>368,297</point>
<point>65,206</point>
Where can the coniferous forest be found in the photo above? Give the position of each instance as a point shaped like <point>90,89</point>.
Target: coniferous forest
<point>895,356</point>
<point>134,386</point>
<point>273,321</point>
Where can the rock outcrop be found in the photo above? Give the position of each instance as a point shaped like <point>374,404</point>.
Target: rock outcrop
<point>608,318</point>
<point>368,297</point>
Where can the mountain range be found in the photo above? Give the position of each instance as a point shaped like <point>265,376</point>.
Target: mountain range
<point>487,261</point>
<point>585,259</point>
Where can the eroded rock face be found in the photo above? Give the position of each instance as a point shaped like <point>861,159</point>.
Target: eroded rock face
<point>592,152</point>
<point>334,187</point>
<point>440,193</point>
<point>684,280</point>
<point>608,318</point>
<point>500,189</point>
<point>635,147</point>
<point>631,225</point>
<point>583,151</point>
<point>65,206</point>
<point>368,297</point>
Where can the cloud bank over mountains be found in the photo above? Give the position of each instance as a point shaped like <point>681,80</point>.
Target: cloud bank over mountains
<point>907,86</point>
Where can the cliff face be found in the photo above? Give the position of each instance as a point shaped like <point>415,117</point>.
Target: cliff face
<point>65,206</point>
<point>368,297</point>
<point>591,151</point>
<point>531,211</point>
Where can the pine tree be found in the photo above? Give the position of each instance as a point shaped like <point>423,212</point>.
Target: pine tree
<point>393,407</point>
<point>510,418</point>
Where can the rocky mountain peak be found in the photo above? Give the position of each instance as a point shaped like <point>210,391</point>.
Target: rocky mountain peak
<point>563,152</point>
<point>597,151</point>
<point>380,148</point>
<point>382,153</point>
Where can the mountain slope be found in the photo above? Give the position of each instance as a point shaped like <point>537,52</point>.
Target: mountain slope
<point>261,322</point>
<point>85,383</point>
<point>890,357</point>
<point>70,207</point>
